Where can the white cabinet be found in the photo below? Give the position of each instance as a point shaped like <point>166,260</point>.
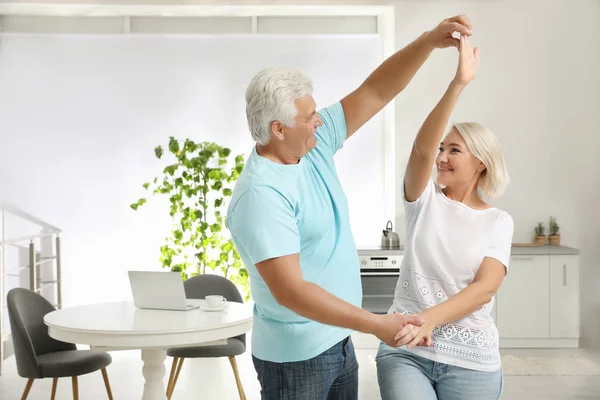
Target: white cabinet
<point>564,296</point>
<point>523,300</point>
<point>537,305</point>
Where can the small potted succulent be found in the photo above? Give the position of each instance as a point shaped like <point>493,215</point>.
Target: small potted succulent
<point>554,229</point>
<point>540,236</point>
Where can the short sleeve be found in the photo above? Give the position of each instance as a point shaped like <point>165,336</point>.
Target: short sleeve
<point>263,222</point>
<point>501,240</point>
<point>412,209</point>
<point>333,132</point>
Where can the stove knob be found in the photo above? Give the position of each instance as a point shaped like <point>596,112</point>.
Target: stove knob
<point>364,262</point>
<point>393,262</point>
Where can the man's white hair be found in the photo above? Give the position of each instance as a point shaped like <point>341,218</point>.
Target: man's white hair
<point>485,146</point>
<point>271,96</point>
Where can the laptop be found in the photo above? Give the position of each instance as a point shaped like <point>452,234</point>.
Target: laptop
<point>156,290</point>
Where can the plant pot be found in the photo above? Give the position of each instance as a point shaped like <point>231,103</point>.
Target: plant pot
<point>540,240</point>
<point>554,240</point>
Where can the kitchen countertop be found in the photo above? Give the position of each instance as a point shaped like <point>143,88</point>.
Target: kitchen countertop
<point>544,251</point>
<point>518,251</point>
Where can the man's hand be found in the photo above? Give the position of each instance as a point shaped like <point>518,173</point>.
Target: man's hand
<point>389,325</point>
<point>441,36</point>
<point>412,335</point>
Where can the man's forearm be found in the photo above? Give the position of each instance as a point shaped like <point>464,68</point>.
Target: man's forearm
<point>395,73</point>
<point>315,303</point>
<point>459,306</point>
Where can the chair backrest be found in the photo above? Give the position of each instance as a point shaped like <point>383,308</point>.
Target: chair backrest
<point>204,285</point>
<point>26,311</point>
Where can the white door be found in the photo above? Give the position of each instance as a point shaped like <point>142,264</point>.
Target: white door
<point>564,296</point>
<point>523,308</point>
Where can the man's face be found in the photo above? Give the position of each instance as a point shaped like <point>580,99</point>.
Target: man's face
<point>300,139</point>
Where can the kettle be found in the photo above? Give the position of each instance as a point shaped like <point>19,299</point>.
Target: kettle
<point>390,239</point>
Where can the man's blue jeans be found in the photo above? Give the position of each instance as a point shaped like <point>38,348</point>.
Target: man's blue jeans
<point>331,375</point>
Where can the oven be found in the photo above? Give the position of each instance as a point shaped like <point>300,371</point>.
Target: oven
<point>379,271</point>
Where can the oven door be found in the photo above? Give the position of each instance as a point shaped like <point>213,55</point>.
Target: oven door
<point>378,286</point>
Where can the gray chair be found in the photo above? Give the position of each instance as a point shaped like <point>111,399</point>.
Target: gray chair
<point>38,355</point>
<point>198,287</point>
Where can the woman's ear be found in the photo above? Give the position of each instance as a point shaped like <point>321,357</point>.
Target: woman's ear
<point>481,167</point>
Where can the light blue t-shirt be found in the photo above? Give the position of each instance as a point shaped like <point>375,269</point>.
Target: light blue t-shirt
<point>277,210</point>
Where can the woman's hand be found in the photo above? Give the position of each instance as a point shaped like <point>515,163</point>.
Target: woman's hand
<point>468,62</point>
<point>412,335</point>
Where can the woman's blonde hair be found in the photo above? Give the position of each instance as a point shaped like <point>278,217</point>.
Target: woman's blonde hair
<point>485,146</point>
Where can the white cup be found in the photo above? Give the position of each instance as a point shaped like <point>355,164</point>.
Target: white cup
<point>215,301</point>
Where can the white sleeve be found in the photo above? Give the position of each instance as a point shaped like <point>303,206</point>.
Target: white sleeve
<point>501,240</point>
<point>412,209</point>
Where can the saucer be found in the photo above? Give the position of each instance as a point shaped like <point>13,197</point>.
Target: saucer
<point>206,307</point>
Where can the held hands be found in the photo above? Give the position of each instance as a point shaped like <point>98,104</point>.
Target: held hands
<point>442,37</point>
<point>411,336</point>
<point>389,325</point>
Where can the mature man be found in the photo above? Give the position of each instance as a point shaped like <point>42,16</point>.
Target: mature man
<point>289,220</point>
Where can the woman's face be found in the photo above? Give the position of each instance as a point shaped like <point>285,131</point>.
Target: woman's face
<point>456,165</point>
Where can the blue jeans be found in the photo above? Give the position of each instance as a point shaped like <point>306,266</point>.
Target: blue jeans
<point>405,376</point>
<point>331,375</point>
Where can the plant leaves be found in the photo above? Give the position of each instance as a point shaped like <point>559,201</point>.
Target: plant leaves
<point>173,145</point>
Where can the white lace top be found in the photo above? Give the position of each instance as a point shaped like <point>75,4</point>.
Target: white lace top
<point>446,242</point>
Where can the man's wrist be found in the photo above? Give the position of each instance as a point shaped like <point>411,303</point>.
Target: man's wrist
<point>427,40</point>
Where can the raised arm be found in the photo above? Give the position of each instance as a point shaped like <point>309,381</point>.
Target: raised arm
<point>424,149</point>
<point>395,73</point>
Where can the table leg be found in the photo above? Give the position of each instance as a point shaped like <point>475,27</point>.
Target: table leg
<point>154,372</point>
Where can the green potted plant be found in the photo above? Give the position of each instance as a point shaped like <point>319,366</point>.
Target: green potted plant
<point>554,232</point>
<point>197,182</point>
<point>540,236</point>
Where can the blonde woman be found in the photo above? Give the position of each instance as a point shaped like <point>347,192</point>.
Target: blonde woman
<point>456,256</point>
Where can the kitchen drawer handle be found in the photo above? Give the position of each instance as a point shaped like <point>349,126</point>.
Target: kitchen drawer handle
<point>523,258</point>
<point>564,274</point>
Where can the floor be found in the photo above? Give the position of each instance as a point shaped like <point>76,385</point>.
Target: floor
<point>213,379</point>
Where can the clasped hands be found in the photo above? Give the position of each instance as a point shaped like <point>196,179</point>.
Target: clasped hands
<point>398,330</point>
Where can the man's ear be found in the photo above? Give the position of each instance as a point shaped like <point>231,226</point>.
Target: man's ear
<point>277,130</point>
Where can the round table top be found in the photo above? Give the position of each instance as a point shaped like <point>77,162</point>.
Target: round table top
<point>111,324</point>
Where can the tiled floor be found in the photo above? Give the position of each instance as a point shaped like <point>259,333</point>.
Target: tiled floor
<point>213,379</point>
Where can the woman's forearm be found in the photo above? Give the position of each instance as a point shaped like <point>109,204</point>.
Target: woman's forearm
<point>428,138</point>
<point>460,305</point>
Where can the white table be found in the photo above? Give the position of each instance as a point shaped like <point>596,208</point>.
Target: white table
<point>120,326</point>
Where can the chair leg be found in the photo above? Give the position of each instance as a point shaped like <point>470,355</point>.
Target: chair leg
<point>75,388</point>
<point>54,384</point>
<point>172,375</point>
<point>27,389</point>
<point>107,383</point>
<point>237,378</point>
<point>179,365</point>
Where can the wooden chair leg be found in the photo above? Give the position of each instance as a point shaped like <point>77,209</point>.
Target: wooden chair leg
<point>107,384</point>
<point>179,365</point>
<point>172,375</point>
<point>54,384</point>
<point>75,388</point>
<point>237,378</point>
<point>27,389</point>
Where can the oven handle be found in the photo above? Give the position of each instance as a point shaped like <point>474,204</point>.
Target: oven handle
<point>380,273</point>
